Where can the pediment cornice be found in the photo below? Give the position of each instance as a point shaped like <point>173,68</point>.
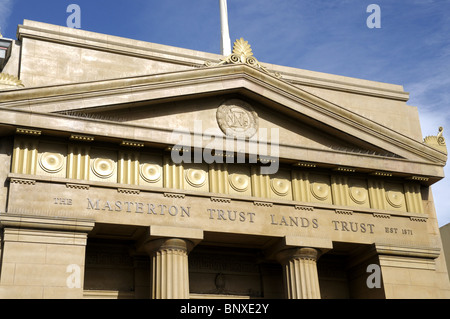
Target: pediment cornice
<point>78,38</point>
<point>117,93</point>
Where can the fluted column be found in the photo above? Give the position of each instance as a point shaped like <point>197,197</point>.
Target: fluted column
<point>170,272</point>
<point>300,273</point>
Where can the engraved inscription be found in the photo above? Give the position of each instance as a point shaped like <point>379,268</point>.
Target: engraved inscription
<point>403,231</point>
<point>354,227</point>
<point>138,207</point>
<point>229,215</point>
<point>62,201</point>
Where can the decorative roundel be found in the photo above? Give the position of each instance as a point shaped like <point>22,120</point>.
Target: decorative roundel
<point>280,186</point>
<point>320,190</point>
<point>239,182</point>
<point>394,198</point>
<point>51,162</point>
<point>196,177</point>
<point>237,118</point>
<point>358,194</point>
<point>150,173</point>
<point>103,167</point>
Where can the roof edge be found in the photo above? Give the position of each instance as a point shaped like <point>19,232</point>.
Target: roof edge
<point>193,58</point>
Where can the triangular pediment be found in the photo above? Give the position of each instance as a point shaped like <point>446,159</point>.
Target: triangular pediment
<point>202,117</point>
<point>150,108</point>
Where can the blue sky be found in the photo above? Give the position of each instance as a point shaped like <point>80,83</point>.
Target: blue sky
<point>412,47</point>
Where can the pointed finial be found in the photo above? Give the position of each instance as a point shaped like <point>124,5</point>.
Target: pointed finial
<point>242,54</point>
<point>437,141</point>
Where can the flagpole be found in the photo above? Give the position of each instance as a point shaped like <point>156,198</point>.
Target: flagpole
<point>226,42</point>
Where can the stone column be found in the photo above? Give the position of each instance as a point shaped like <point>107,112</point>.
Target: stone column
<point>300,272</point>
<point>169,267</point>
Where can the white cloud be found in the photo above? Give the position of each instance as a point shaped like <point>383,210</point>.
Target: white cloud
<point>5,12</point>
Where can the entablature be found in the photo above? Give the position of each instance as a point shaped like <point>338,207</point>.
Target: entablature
<point>130,166</point>
<point>72,130</point>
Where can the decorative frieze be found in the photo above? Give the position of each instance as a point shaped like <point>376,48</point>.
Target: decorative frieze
<point>82,162</point>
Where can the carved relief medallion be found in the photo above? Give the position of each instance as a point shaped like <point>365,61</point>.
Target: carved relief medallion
<point>151,173</point>
<point>196,177</point>
<point>237,118</point>
<point>394,195</point>
<point>280,186</point>
<point>320,190</point>
<point>239,182</point>
<point>51,162</point>
<point>358,192</point>
<point>103,167</point>
<point>394,198</point>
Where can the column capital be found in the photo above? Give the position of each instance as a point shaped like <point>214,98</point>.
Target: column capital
<point>157,235</point>
<point>306,253</point>
<point>160,244</point>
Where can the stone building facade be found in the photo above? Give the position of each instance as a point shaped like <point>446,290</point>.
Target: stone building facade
<point>137,170</point>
